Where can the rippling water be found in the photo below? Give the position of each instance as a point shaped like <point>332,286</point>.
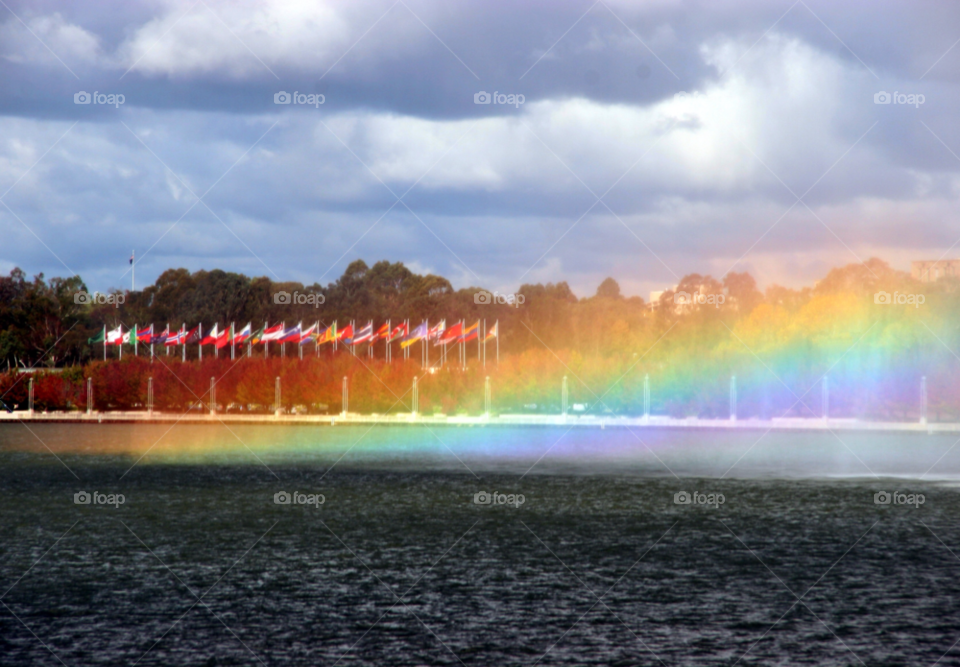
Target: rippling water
<point>399,565</point>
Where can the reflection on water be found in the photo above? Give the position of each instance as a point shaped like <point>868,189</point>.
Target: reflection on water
<point>510,450</point>
<point>404,562</point>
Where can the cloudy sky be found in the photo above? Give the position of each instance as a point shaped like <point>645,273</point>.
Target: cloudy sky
<point>652,139</point>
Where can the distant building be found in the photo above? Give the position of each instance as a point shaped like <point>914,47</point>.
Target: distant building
<point>928,271</point>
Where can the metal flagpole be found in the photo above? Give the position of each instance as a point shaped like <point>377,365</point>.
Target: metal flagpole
<point>316,341</point>
<point>104,342</point>
<point>266,343</point>
<point>283,343</point>
<point>216,348</point>
<point>233,344</point>
<point>136,339</point>
<point>200,344</point>
<point>183,343</point>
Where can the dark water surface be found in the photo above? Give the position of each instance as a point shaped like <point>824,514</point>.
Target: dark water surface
<point>199,566</point>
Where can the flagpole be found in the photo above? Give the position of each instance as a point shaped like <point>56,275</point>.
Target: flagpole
<point>216,348</point>
<point>200,343</point>
<point>233,343</point>
<point>183,343</point>
<point>104,342</point>
<point>136,339</point>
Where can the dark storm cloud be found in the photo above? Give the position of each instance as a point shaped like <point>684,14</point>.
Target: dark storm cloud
<point>705,121</point>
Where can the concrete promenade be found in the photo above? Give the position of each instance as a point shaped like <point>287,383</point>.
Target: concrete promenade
<point>407,419</point>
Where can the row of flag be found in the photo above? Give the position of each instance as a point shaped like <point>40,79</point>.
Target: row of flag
<point>279,333</point>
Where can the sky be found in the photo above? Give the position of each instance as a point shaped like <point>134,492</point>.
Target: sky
<point>638,140</point>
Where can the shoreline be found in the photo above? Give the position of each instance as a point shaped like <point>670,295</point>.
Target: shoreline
<point>548,421</point>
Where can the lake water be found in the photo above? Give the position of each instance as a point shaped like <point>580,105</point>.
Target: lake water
<point>597,563</point>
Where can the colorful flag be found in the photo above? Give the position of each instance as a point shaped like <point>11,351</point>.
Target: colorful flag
<point>493,332</point>
<point>223,339</point>
<point>382,333</point>
<point>346,335</point>
<point>257,336</point>
<point>273,333</point>
<point>244,334</point>
<point>437,330</point>
<point>415,335</point>
<point>399,331</point>
<point>471,333</point>
<point>161,337</point>
<point>144,335</point>
<point>211,338</point>
<point>365,335</point>
<point>329,335</point>
<point>291,335</point>
<point>450,335</point>
<point>99,338</point>
<point>309,334</point>
<point>176,338</point>
<point>192,336</point>
<point>115,337</point>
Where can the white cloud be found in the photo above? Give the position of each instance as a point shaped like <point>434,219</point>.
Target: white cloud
<point>71,43</point>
